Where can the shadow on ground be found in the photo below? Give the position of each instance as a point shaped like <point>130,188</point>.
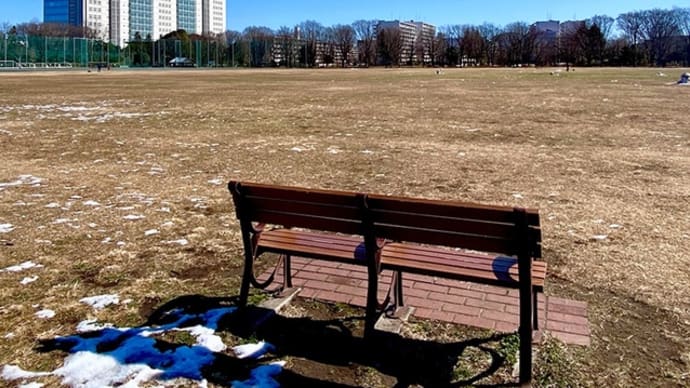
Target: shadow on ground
<point>329,346</point>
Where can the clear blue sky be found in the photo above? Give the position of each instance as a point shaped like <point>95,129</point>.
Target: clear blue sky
<point>276,13</point>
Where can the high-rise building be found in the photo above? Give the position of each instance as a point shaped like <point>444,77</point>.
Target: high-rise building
<point>415,39</point>
<point>64,11</point>
<point>124,20</point>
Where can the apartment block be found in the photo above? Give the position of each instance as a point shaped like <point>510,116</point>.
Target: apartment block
<point>416,39</point>
<point>122,20</point>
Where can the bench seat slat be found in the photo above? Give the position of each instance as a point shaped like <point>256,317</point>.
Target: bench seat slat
<point>422,260</point>
<point>445,238</point>
<point>314,245</point>
<point>449,257</point>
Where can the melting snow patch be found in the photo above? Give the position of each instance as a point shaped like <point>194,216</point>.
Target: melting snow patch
<point>131,357</point>
<point>13,372</point>
<point>151,232</point>
<point>133,217</point>
<point>518,196</point>
<point>91,203</point>
<point>600,237</point>
<point>6,228</point>
<point>28,280</point>
<point>615,226</point>
<point>91,325</point>
<point>217,181</point>
<point>182,241</point>
<point>252,350</point>
<point>21,267</point>
<point>101,301</point>
<point>45,314</point>
<point>367,152</point>
<point>23,180</point>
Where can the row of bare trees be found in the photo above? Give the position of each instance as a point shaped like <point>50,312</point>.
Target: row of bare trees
<point>648,37</point>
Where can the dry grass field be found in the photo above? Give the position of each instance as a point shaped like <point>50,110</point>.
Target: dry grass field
<point>115,181</point>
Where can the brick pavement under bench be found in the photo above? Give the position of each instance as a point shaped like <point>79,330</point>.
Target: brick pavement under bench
<point>465,303</point>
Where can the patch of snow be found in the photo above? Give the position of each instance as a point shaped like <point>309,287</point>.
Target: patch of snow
<point>28,180</point>
<point>151,232</point>
<point>366,152</point>
<point>518,196</point>
<point>615,226</point>
<point>216,181</point>
<point>28,280</point>
<point>6,228</point>
<point>45,314</point>
<point>13,372</point>
<point>101,301</point>
<point>91,325</point>
<point>91,203</point>
<point>21,267</point>
<point>252,350</point>
<point>182,241</point>
<point>600,237</point>
<point>297,149</point>
<point>133,217</point>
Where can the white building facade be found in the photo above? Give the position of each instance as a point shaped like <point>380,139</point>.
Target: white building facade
<point>123,20</point>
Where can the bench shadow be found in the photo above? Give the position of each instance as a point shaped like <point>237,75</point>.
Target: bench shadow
<point>330,342</point>
<point>333,342</point>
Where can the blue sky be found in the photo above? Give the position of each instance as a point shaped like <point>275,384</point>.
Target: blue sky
<point>276,13</point>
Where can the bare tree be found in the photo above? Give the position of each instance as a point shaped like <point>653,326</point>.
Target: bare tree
<point>489,33</point>
<point>285,39</point>
<point>345,40</point>
<point>439,45</point>
<point>659,26</point>
<point>389,41</point>
<point>365,31</point>
<point>472,43</point>
<point>312,33</point>
<point>604,22</point>
<point>260,41</point>
<point>631,24</point>
<point>519,40</point>
<point>683,21</point>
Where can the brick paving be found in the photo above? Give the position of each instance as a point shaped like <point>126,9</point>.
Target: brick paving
<point>464,303</point>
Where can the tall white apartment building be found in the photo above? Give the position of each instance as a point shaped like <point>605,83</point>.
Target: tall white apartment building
<point>97,16</point>
<point>214,16</point>
<point>123,20</point>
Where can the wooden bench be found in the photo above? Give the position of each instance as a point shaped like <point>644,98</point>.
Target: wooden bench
<point>493,245</point>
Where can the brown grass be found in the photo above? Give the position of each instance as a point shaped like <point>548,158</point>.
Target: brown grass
<point>599,152</point>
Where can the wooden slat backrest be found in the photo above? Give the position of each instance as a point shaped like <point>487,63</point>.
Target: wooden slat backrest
<point>334,211</point>
<point>451,223</point>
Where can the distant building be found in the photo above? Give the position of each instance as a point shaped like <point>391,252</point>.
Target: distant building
<point>121,20</point>
<point>416,39</point>
<point>64,11</point>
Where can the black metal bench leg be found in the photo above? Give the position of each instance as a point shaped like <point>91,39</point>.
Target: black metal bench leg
<point>246,279</point>
<point>535,309</point>
<point>372,302</point>
<point>526,332</point>
<point>398,294</point>
<point>287,271</point>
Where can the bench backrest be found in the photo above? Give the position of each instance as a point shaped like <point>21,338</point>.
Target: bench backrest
<point>454,224</point>
<point>327,210</point>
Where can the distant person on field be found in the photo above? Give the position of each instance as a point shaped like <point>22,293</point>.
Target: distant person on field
<point>684,78</point>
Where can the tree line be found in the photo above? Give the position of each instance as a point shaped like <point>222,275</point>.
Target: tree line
<point>654,37</point>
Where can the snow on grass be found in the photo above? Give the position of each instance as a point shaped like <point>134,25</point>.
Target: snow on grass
<point>101,301</point>
<point>216,181</point>
<point>45,314</point>
<point>133,217</point>
<point>108,357</point>
<point>21,267</point>
<point>182,241</point>
<point>13,372</point>
<point>28,180</point>
<point>6,228</point>
<point>91,203</point>
<point>151,232</point>
<point>28,280</point>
